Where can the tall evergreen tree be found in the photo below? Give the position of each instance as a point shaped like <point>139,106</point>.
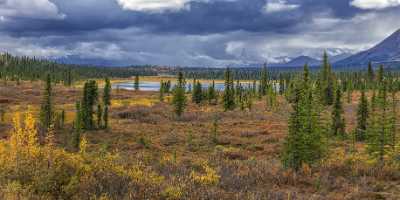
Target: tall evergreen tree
<point>90,98</point>
<point>254,88</point>
<point>212,94</point>
<point>249,99</point>
<point>107,93</point>
<point>229,92</point>
<point>62,119</point>
<point>78,125</point>
<point>349,89</point>
<point>106,104</point>
<point>326,68</point>
<point>338,122</point>
<point>393,130</point>
<point>161,92</point>
<point>305,143</point>
<point>371,74</point>
<point>380,74</point>
<point>179,98</point>
<point>379,126</point>
<point>362,117</point>
<point>105,117</point>
<point>99,116</point>
<point>271,98</point>
<point>263,81</point>
<point>46,109</point>
<point>136,83</point>
<point>69,78</point>
<point>327,81</point>
<point>197,95</point>
<point>281,85</point>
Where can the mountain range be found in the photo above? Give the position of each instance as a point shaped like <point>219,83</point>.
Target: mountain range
<point>386,52</point>
<point>301,60</point>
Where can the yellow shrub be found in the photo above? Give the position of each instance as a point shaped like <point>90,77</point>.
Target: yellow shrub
<point>31,171</point>
<point>172,193</point>
<point>209,177</point>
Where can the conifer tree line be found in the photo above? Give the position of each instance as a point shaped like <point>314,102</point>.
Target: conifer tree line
<point>13,68</point>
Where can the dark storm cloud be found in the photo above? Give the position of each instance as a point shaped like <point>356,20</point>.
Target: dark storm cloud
<point>202,33</point>
<point>201,17</point>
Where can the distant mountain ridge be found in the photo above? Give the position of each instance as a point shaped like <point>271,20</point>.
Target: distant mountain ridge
<point>386,52</point>
<point>302,60</point>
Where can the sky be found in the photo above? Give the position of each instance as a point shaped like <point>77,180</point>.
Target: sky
<point>200,33</point>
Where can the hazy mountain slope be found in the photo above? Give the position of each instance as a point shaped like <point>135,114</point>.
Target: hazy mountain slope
<point>388,51</point>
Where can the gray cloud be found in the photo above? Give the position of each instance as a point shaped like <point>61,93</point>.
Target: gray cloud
<point>32,9</point>
<point>208,33</point>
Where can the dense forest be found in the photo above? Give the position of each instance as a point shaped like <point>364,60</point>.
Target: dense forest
<point>25,68</point>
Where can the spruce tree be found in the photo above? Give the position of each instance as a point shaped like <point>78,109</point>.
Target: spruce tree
<point>212,94</point>
<point>349,89</point>
<point>214,131</point>
<point>107,93</point>
<point>271,99</point>
<point>380,74</point>
<point>46,109</point>
<point>238,90</point>
<point>99,116</point>
<point>69,78</point>
<point>197,95</point>
<point>305,144</point>
<point>240,97</point>
<point>62,119</point>
<point>379,127</point>
<point>371,75</point>
<point>229,92</point>
<point>136,83</point>
<point>393,130</point>
<point>338,122</point>
<point>249,100</point>
<point>106,104</point>
<point>326,70</point>
<point>105,117</point>
<point>161,92</point>
<point>254,88</point>
<point>263,81</point>
<point>327,81</point>
<point>179,98</point>
<point>373,101</point>
<point>281,85</point>
<point>90,98</point>
<point>78,125</point>
<point>362,117</point>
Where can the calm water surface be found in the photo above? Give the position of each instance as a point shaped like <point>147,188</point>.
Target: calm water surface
<point>155,86</point>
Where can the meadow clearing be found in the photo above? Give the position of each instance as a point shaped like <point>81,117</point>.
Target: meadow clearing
<point>205,154</point>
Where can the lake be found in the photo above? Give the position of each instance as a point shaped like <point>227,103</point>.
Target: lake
<point>155,86</point>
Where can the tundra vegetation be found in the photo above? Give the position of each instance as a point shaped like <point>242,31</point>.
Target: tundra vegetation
<point>66,133</point>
